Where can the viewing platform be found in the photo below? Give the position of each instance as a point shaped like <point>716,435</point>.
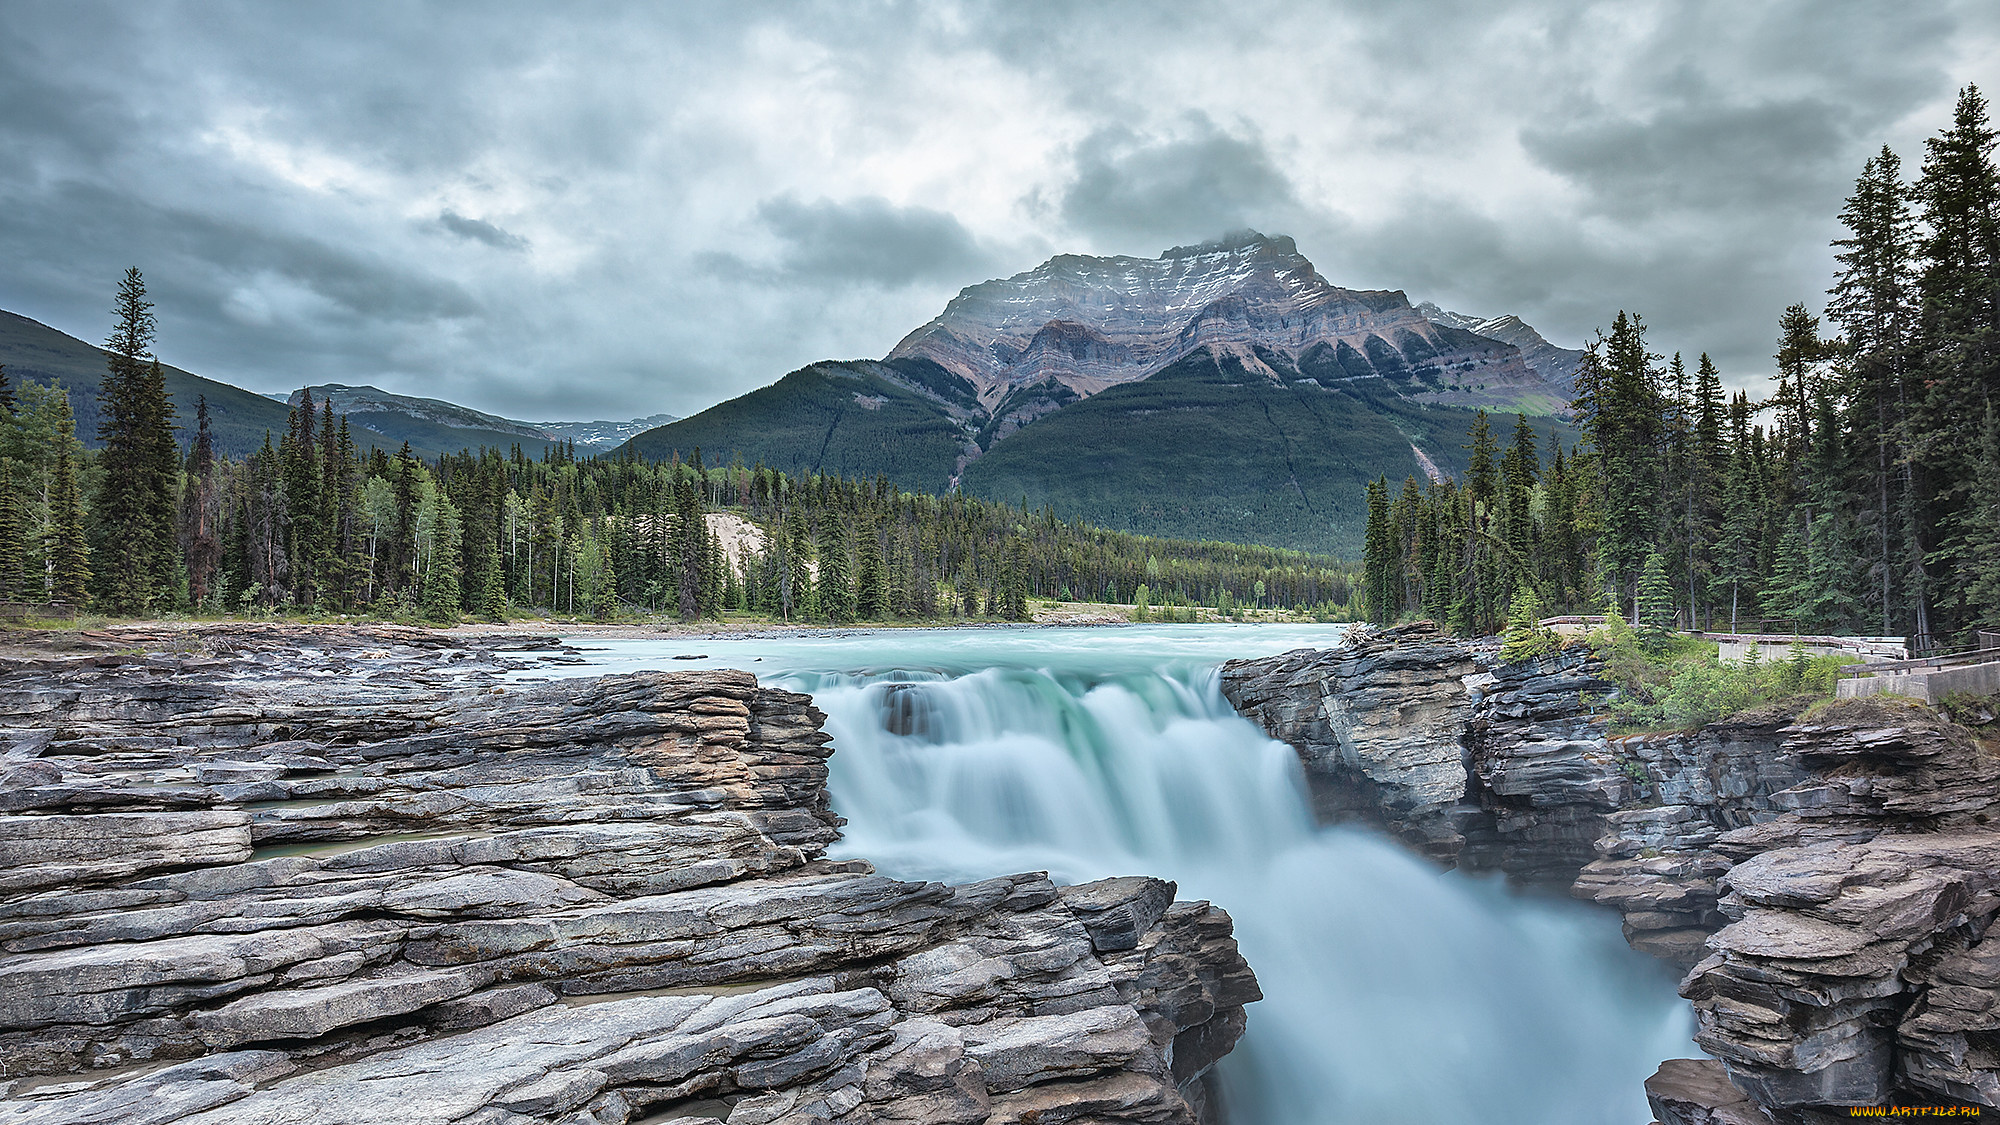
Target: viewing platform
<point>1770,645</point>
<point>1976,672</point>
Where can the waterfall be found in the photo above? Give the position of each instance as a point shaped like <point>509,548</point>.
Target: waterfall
<point>1393,993</point>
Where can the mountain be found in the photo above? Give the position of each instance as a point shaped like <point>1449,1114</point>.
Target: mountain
<point>33,352</point>
<point>1224,390</point>
<point>1555,365</point>
<point>603,434</point>
<point>431,423</point>
<point>1087,323</point>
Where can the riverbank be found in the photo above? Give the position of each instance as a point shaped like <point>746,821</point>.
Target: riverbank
<point>1827,879</point>
<point>367,874</point>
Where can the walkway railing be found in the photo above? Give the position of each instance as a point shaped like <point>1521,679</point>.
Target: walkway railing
<point>1893,667</point>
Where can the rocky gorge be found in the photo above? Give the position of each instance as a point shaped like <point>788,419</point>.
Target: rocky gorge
<point>1827,882</point>
<point>262,874</point>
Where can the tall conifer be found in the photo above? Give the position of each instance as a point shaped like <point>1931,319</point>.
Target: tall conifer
<point>134,509</point>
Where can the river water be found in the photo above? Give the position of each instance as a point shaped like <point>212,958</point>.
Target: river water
<point>1393,993</point>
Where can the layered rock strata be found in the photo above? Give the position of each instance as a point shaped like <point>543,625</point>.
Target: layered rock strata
<point>1829,884</point>
<point>284,877</point>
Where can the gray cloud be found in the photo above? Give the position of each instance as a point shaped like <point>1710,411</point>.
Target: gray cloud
<point>1174,189</point>
<point>871,240</point>
<point>694,199</point>
<point>479,230</point>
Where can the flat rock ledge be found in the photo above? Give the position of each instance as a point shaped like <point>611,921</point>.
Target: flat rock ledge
<point>350,876</point>
<point>1829,885</point>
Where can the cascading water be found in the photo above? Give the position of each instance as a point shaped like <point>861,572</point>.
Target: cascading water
<point>1392,993</point>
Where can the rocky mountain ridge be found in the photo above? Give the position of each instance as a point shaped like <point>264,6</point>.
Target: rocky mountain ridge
<point>1830,885</point>
<point>1556,365</point>
<point>268,874</point>
<point>1086,323</point>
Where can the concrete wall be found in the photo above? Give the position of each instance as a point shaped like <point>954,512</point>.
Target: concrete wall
<point>1929,684</point>
<point>1769,651</point>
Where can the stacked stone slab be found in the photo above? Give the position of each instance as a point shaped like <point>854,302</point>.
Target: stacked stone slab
<point>310,876</point>
<point>1828,884</point>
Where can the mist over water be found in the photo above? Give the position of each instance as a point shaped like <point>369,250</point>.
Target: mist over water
<point>1393,993</point>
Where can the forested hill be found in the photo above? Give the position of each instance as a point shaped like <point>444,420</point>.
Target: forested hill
<point>35,353</point>
<point>1216,446</point>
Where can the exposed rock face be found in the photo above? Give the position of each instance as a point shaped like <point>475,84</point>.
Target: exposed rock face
<point>1086,323</point>
<point>1557,366</point>
<point>1381,725</point>
<point>287,878</point>
<point>1835,880</point>
<point>1494,766</point>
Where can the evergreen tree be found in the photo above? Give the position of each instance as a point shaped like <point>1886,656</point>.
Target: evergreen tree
<point>834,588</point>
<point>797,576</point>
<point>1958,285</point>
<point>1982,529</point>
<point>1871,301</point>
<point>68,553</point>
<point>872,578</point>
<point>1520,472</point>
<point>690,544</point>
<point>401,557</point>
<point>1656,594</point>
<point>201,511</point>
<point>1379,565</point>
<point>1620,411</point>
<point>134,508</point>
<point>13,535</point>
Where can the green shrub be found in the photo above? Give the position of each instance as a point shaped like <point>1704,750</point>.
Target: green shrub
<point>1525,638</point>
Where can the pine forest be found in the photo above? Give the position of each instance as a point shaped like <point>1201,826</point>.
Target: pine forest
<point>1862,497</point>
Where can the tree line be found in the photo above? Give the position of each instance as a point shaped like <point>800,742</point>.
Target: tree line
<point>311,523</point>
<point>1862,496</point>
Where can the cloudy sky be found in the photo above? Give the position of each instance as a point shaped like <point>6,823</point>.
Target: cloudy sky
<point>592,209</point>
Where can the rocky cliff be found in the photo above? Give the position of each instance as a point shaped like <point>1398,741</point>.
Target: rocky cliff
<point>1828,884</point>
<point>281,876</point>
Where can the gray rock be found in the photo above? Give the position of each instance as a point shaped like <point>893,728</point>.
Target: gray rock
<point>428,895</point>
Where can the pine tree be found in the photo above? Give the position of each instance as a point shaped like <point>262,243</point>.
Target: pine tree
<point>134,510</point>
<point>1656,594</point>
<point>69,553</point>
<point>1381,589</point>
<point>200,511</point>
<point>1800,351</point>
<point>1982,529</point>
<point>400,559</point>
<point>1871,301</point>
<point>799,599</point>
<point>1520,471</point>
<point>834,588</point>
<point>1959,337</point>
<point>13,535</point>
<point>492,596</point>
<point>1619,408</point>
<point>690,543</point>
<point>872,578</point>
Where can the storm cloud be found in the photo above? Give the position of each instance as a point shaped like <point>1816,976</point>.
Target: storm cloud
<point>1182,188</point>
<point>617,209</point>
